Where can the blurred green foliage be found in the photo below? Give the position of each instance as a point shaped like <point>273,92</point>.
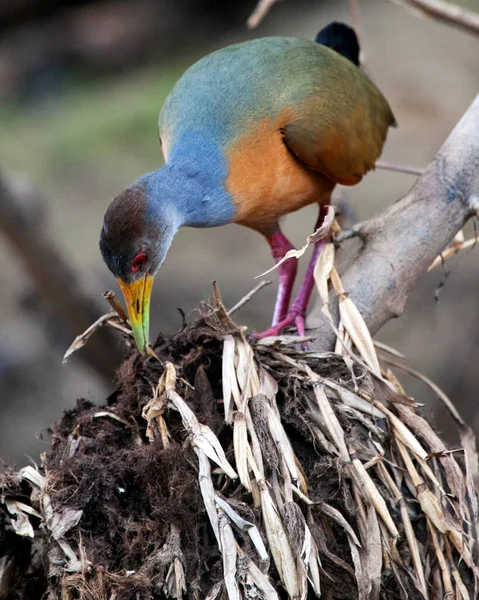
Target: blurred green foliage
<point>91,123</point>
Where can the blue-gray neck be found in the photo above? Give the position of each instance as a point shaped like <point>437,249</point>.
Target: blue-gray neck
<point>189,190</point>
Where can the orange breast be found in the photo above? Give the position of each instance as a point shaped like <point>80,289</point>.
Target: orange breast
<point>266,181</point>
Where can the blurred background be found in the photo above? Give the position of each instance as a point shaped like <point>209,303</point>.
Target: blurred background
<point>81,85</point>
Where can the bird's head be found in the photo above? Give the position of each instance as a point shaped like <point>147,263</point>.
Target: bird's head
<point>134,241</point>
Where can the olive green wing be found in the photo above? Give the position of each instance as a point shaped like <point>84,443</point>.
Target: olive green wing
<point>340,128</point>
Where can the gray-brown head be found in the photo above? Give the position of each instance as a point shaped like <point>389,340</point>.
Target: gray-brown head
<point>134,241</point>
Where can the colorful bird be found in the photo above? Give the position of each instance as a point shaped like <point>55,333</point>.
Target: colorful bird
<point>249,133</point>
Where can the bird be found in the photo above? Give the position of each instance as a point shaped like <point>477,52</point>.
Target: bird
<point>249,133</point>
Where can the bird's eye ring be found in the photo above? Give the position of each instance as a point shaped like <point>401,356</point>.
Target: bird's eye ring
<point>138,261</point>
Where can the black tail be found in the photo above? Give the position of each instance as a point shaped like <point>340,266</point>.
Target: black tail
<point>342,39</point>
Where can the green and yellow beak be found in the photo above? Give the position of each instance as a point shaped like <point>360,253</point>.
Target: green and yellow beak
<point>137,297</point>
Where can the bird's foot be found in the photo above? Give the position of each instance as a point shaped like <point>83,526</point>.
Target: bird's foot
<point>294,317</point>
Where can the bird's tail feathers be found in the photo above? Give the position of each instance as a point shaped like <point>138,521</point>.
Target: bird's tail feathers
<point>341,38</point>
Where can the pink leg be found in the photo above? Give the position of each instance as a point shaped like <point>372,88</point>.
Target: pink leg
<point>300,304</point>
<point>279,245</point>
<point>297,313</point>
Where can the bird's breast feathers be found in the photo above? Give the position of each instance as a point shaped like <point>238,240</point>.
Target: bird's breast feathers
<point>264,179</point>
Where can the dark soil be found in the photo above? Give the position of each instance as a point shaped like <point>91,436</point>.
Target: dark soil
<point>135,493</point>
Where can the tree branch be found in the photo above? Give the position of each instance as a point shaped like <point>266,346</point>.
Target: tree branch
<point>259,13</point>
<point>446,12</point>
<point>402,241</point>
<point>56,281</point>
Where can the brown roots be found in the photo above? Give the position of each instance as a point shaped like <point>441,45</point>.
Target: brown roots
<point>324,477</point>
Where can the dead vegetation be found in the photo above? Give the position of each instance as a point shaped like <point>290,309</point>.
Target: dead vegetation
<point>223,470</point>
<point>220,470</point>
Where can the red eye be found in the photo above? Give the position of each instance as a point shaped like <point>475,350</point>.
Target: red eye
<point>138,261</point>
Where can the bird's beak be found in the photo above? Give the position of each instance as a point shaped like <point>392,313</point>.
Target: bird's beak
<point>137,297</point>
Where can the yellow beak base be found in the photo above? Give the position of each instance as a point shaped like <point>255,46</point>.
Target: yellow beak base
<point>137,298</point>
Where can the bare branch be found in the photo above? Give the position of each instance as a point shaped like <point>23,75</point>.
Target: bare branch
<point>54,278</point>
<point>261,10</point>
<point>81,340</point>
<point>109,295</point>
<point>408,170</point>
<point>248,296</point>
<point>401,243</point>
<point>446,12</point>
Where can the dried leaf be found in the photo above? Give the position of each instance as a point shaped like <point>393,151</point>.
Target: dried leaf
<point>255,445</point>
<point>261,582</point>
<point>362,579</point>
<point>432,509</point>
<point>318,235</point>
<point>374,554</point>
<point>402,432</point>
<point>268,385</point>
<point>155,407</point>
<point>355,326</point>
<point>322,271</point>
<point>368,487</point>
<point>228,552</point>
<point>208,492</point>
<point>19,519</point>
<point>64,521</point>
<point>175,580</point>
<point>335,430</point>
<point>240,442</point>
<point>245,526</point>
<point>282,441</point>
<point>343,341</point>
<point>336,516</point>
<point>311,561</point>
<point>389,349</point>
<point>323,442</point>
<point>244,367</point>
<point>351,399</point>
<point>313,573</point>
<point>453,473</point>
<point>446,575</point>
<point>32,476</point>
<point>461,591</point>
<point>74,565</point>
<point>202,436</point>
<point>279,544</point>
<point>228,376</point>
<point>435,388</point>
<point>468,440</point>
<point>408,529</point>
<point>215,591</point>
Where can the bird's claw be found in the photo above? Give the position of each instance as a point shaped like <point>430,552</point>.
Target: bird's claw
<point>294,317</point>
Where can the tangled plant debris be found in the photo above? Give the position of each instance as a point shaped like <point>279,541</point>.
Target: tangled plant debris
<point>218,469</point>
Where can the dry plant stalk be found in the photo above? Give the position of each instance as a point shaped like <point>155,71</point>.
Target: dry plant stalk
<point>384,471</point>
<point>389,462</point>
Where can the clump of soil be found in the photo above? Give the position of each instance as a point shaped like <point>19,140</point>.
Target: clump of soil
<point>137,524</point>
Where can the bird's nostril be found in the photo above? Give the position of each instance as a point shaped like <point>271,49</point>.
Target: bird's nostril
<point>137,305</point>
